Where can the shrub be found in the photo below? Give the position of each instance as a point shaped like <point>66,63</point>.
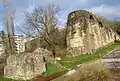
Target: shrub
<point>92,71</point>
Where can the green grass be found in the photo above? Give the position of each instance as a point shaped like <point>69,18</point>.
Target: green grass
<point>52,68</point>
<point>5,79</point>
<point>88,57</point>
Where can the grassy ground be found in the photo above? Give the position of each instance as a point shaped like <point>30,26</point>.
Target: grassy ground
<point>91,71</point>
<point>52,68</point>
<point>70,62</point>
<point>5,79</point>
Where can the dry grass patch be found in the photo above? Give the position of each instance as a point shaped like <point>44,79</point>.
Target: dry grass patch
<point>92,71</point>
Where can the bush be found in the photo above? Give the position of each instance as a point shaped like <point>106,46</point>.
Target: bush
<point>92,71</point>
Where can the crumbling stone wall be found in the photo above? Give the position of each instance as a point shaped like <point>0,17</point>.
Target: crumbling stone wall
<point>87,33</point>
<point>27,65</point>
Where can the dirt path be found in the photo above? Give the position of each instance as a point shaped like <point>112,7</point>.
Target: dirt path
<point>50,77</point>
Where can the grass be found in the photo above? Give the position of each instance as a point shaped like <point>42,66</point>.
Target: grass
<point>2,78</point>
<point>52,68</point>
<point>72,61</point>
<point>69,62</point>
<point>86,73</point>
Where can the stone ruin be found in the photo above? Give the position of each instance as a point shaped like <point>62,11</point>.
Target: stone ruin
<point>27,65</point>
<point>87,33</point>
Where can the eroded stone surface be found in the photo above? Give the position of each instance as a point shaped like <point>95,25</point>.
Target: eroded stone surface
<point>87,33</point>
<point>27,65</point>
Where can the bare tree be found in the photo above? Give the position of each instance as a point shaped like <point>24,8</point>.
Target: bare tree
<point>8,21</point>
<point>42,23</point>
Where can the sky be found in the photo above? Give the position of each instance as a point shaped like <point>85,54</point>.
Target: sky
<point>107,8</point>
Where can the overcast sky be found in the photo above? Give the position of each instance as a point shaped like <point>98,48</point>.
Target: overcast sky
<point>108,8</point>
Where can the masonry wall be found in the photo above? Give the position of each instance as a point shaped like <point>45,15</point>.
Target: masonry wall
<point>87,34</point>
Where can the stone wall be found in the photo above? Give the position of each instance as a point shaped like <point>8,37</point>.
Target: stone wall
<point>28,65</point>
<point>87,33</point>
